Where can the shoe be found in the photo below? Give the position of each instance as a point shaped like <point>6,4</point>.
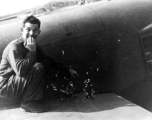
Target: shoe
<point>36,106</point>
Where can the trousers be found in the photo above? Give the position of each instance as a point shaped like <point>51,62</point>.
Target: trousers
<point>29,87</point>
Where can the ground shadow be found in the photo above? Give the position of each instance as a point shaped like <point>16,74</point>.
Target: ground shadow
<point>139,93</point>
<point>102,102</point>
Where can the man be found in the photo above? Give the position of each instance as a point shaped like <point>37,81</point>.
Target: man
<point>22,68</point>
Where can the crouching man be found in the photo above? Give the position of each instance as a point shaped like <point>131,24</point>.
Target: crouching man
<point>22,68</point>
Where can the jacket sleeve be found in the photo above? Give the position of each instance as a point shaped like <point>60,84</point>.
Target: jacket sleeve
<point>19,63</point>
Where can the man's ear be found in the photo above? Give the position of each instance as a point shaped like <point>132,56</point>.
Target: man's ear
<point>21,29</point>
<point>39,31</point>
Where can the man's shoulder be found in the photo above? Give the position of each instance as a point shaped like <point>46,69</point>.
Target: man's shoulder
<point>15,43</point>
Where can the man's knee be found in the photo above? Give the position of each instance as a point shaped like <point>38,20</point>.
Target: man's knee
<point>39,67</point>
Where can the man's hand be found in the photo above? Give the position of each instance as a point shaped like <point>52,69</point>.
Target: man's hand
<point>30,44</point>
<point>73,73</point>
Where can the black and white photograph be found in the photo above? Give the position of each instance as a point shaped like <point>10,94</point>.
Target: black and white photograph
<point>76,60</point>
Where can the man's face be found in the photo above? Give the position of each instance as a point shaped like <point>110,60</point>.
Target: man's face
<point>30,30</point>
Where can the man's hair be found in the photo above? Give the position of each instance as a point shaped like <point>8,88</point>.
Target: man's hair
<point>31,19</point>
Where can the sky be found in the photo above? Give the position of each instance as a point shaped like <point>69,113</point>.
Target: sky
<point>12,6</point>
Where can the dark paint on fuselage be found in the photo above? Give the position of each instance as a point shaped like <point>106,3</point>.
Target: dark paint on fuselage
<point>101,41</point>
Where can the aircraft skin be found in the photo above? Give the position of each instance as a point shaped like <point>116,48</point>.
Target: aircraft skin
<point>102,41</point>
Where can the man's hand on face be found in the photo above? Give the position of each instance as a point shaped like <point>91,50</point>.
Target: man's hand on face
<point>31,44</point>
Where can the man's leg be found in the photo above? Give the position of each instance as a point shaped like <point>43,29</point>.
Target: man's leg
<point>34,86</point>
<point>30,88</point>
<point>33,95</point>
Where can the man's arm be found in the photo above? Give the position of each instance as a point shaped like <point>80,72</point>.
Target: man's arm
<point>48,62</point>
<point>20,64</point>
